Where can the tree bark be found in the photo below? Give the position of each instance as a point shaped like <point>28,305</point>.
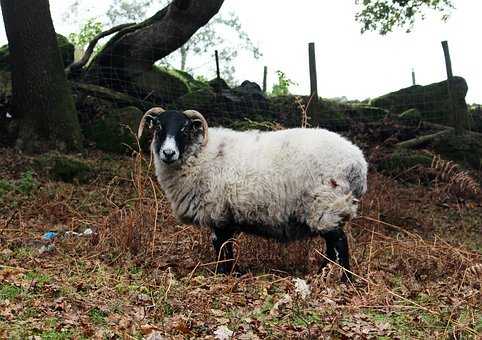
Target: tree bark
<point>133,51</point>
<point>41,98</point>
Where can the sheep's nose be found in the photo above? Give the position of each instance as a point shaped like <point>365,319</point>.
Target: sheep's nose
<point>168,153</point>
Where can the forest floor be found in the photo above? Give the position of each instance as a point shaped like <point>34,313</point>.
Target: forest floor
<point>416,255</point>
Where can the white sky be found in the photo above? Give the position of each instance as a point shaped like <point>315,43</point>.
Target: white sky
<point>349,64</point>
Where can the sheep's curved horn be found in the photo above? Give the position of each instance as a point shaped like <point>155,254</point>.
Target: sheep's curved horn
<point>153,113</point>
<point>193,115</point>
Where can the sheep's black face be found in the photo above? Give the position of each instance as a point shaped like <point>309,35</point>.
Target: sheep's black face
<point>173,134</point>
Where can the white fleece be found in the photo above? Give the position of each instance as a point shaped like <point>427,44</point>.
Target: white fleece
<point>266,179</point>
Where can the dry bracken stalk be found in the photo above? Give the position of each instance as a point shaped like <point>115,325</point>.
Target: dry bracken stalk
<point>449,172</point>
<point>305,118</point>
<point>475,270</point>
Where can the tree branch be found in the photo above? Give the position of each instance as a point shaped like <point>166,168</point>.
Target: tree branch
<point>182,4</point>
<point>411,143</point>
<point>77,65</point>
<point>135,49</point>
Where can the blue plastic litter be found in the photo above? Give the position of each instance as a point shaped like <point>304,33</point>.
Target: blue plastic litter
<point>49,235</point>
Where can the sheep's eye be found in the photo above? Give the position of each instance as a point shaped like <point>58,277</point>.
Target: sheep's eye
<point>183,129</point>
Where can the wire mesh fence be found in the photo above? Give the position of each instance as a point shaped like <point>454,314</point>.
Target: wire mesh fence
<point>119,80</point>
<point>118,83</point>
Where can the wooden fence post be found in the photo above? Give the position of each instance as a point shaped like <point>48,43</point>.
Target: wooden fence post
<point>217,86</point>
<point>458,117</point>
<point>265,79</point>
<point>218,73</point>
<point>313,76</point>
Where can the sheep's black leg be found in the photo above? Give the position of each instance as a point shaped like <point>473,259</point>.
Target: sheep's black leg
<point>337,250</point>
<point>224,255</point>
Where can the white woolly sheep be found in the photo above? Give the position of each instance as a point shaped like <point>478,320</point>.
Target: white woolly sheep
<point>285,185</point>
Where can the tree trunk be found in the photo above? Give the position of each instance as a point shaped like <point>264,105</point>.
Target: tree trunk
<point>42,98</point>
<point>132,52</point>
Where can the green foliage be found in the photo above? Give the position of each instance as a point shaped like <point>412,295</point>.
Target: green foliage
<point>283,86</point>
<point>5,186</point>
<point>97,316</point>
<point>384,16</point>
<point>39,278</point>
<point>26,184</point>
<point>87,32</point>
<point>64,168</point>
<point>9,292</point>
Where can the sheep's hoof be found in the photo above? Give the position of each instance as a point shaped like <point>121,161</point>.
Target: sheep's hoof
<point>323,263</point>
<point>230,273</point>
<point>228,270</point>
<point>346,277</point>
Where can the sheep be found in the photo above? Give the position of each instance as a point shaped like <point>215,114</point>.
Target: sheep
<point>285,185</point>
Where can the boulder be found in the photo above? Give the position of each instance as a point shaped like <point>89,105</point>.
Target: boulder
<point>157,86</point>
<point>402,160</point>
<point>328,114</point>
<point>222,105</point>
<point>64,168</point>
<point>431,101</point>
<point>66,50</point>
<point>218,84</point>
<point>192,83</point>
<point>411,116</point>
<point>475,112</point>
<point>465,149</point>
<point>114,131</point>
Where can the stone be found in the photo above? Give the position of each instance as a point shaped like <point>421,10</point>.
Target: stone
<point>432,101</point>
<point>114,131</point>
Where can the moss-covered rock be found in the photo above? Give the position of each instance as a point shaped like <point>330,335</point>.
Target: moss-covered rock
<point>475,112</point>
<point>226,106</point>
<point>4,58</point>
<point>411,116</point>
<point>402,160</point>
<point>218,84</point>
<point>65,168</point>
<point>115,131</point>
<point>432,101</point>
<point>465,149</point>
<point>67,50</point>
<point>328,114</point>
<point>158,86</point>
<point>5,86</point>
<point>192,83</point>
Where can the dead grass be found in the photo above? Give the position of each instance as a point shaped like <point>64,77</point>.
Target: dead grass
<point>416,263</point>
